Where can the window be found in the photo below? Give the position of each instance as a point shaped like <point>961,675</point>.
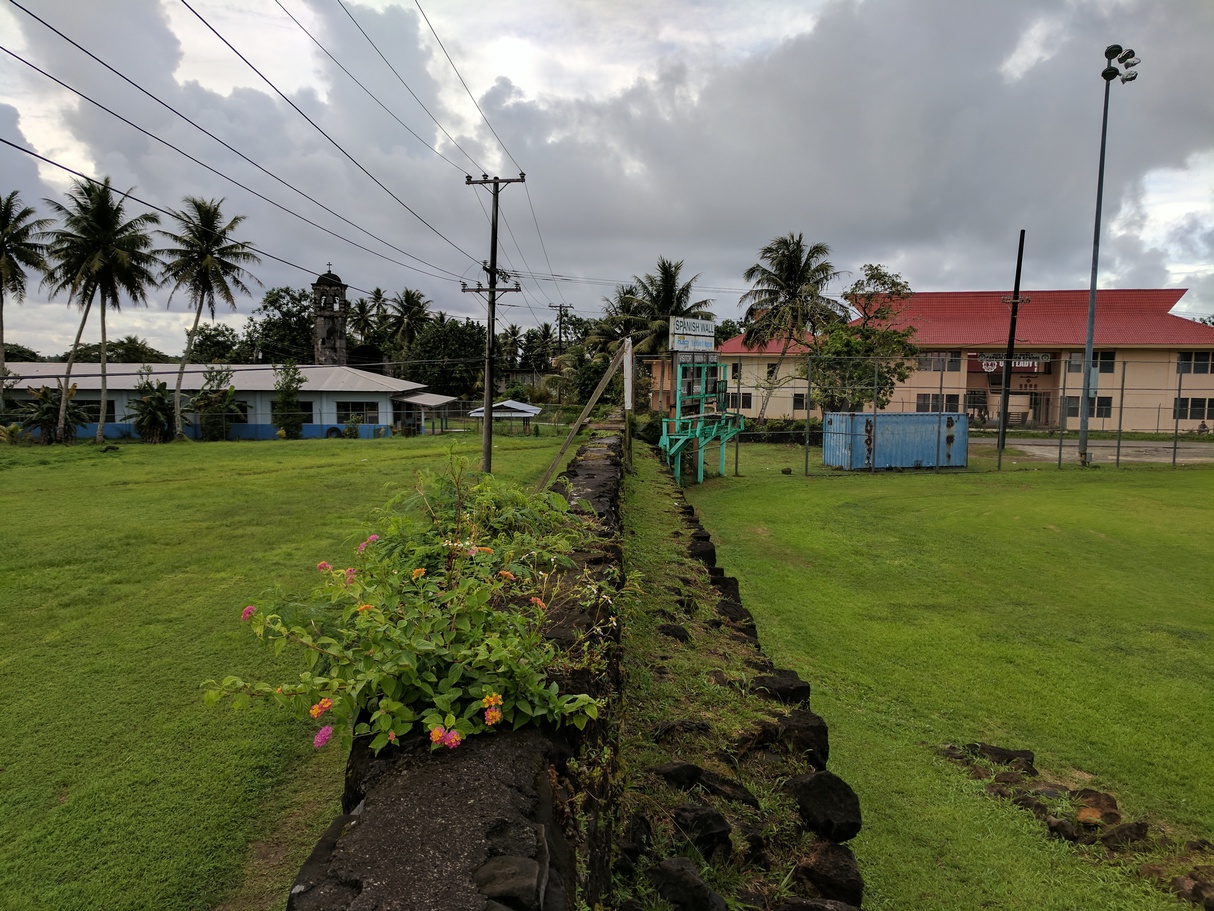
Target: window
<point>1193,362</point>
<point>92,409</point>
<point>931,402</point>
<point>1098,406</point>
<point>798,401</point>
<point>975,400</point>
<point>940,361</point>
<point>1193,409</point>
<point>733,400</point>
<point>367,411</point>
<point>239,413</point>
<point>771,371</point>
<point>1102,361</point>
<point>304,411</point>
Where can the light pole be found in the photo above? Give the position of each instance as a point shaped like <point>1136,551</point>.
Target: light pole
<point>1113,54</point>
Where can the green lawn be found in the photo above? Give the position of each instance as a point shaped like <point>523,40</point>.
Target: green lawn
<point>125,574</point>
<point>1061,611</point>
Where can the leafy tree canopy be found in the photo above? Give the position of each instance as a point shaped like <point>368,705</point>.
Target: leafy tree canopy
<point>127,350</point>
<point>448,356</point>
<point>279,330</point>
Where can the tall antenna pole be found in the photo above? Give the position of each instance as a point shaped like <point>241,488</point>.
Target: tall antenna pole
<point>491,268</point>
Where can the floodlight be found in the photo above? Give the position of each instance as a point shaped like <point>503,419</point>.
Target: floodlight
<point>1112,51</point>
<point>1126,55</point>
<point>1110,73</point>
<point>1130,76</point>
<point>1133,61</point>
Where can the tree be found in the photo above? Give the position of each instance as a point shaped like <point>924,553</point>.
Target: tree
<point>726,329</point>
<point>22,354</point>
<point>538,349</point>
<point>509,345</point>
<point>207,262</point>
<point>621,318</point>
<point>447,356</point>
<point>215,343</point>
<point>98,252</point>
<point>287,417</point>
<point>216,404</point>
<point>863,360</point>
<point>152,412</point>
<point>787,300</point>
<point>362,319</point>
<point>53,414</point>
<point>279,330</point>
<point>405,315</point>
<point>660,296</point>
<point>20,249</point>
<point>130,349</point>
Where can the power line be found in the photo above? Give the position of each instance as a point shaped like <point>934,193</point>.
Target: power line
<point>465,85</point>
<point>322,132</point>
<point>369,93</point>
<point>226,145</point>
<point>406,86</point>
<point>156,208</point>
<point>233,180</point>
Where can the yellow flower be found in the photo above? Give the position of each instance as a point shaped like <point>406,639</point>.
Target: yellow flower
<point>418,573</point>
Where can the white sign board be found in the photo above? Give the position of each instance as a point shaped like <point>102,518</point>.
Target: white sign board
<point>688,334</point>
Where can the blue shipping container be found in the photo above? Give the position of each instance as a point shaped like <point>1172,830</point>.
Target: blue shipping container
<point>919,440</point>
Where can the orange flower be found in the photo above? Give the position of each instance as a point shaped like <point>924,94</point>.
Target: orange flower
<point>321,707</point>
<point>506,574</point>
<point>418,573</point>
<point>485,550</point>
<point>538,603</point>
<point>392,736</point>
<point>493,716</point>
<point>363,607</point>
<point>491,700</point>
<point>437,733</point>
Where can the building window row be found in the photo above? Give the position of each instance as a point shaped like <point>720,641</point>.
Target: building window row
<point>746,400</point>
<point>1103,361</point>
<point>931,402</point>
<point>1100,406</point>
<point>940,361</point>
<point>368,412</point>
<point>1193,409</point>
<point>1194,362</point>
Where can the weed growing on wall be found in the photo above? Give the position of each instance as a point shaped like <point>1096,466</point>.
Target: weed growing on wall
<point>436,623</point>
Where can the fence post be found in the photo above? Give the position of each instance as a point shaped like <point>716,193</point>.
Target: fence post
<point>1176,413</point>
<point>1120,413</point>
<point>1066,370</point>
<point>737,440</point>
<point>809,400</point>
<point>876,384</point>
<point>940,415</point>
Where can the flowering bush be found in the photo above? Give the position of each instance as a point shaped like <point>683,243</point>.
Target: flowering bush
<point>437,624</point>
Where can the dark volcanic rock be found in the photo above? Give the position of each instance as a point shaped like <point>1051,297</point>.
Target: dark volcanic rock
<point>999,755</point>
<point>800,731</point>
<point>705,827</point>
<point>677,881</point>
<point>783,685</point>
<point>516,880</point>
<point>675,631</point>
<point>1125,835</point>
<point>682,775</point>
<point>813,904</point>
<point>829,807</point>
<point>681,726</point>
<point>831,869</point>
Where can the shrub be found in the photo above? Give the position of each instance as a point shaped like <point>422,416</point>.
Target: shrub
<point>152,412</point>
<point>437,624</point>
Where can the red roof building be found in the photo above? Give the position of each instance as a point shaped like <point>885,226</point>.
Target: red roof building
<point>1152,370</point>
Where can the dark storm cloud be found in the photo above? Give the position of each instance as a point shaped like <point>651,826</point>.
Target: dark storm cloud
<point>891,131</point>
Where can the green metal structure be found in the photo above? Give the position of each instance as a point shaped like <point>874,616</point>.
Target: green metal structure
<point>700,416</point>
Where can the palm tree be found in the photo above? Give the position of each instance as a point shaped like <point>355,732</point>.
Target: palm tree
<point>621,317</point>
<point>509,341</point>
<point>405,315</point>
<point>20,249</point>
<point>206,262</point>
<point>786,299</point>
<point>660,296</point>
<point>98,252</point>
<point>362,318</point>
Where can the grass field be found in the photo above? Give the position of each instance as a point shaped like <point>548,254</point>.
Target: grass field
<point>1061,611</point>
<point>124,577</point>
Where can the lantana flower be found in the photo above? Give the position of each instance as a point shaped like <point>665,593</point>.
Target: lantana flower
<point>322,736</point>
<point>493,715</point>
<point>321,707</point>
<point>323,566</point>
<point>418,573</point>
<point>247,613</point>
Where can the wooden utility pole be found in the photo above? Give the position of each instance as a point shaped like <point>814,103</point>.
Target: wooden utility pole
<point>491,268</point>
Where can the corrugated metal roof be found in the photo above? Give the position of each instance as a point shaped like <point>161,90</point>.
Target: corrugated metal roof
<point>245,377</point>
<point>980,319</point>
<point>428,399</point>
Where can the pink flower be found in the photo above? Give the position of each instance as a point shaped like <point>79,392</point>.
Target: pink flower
<point>323,566</point>
<point>349,575</point>
<point>493,715</point>
<point>452,739</point>
<point>322,736</point>
<point>370,539</point>
<point>247,613</point>
<point>437,733</point>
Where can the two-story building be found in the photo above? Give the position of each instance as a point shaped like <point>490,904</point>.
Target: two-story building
<point>1152,370</point>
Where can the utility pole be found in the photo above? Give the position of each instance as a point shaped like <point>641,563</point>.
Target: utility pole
<point>561,310</point>
<point>491,268</point>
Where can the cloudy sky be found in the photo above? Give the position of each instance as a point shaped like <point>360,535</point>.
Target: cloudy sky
<point>923,134</point>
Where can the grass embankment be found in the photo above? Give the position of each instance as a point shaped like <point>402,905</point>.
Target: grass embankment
<point>1065,612</point>
<point>125,576</point>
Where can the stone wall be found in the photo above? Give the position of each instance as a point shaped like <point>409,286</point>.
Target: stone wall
<point>510,823</point>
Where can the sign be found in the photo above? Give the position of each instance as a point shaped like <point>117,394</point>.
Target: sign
<point>687,334</point>
<point>992,362</point>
